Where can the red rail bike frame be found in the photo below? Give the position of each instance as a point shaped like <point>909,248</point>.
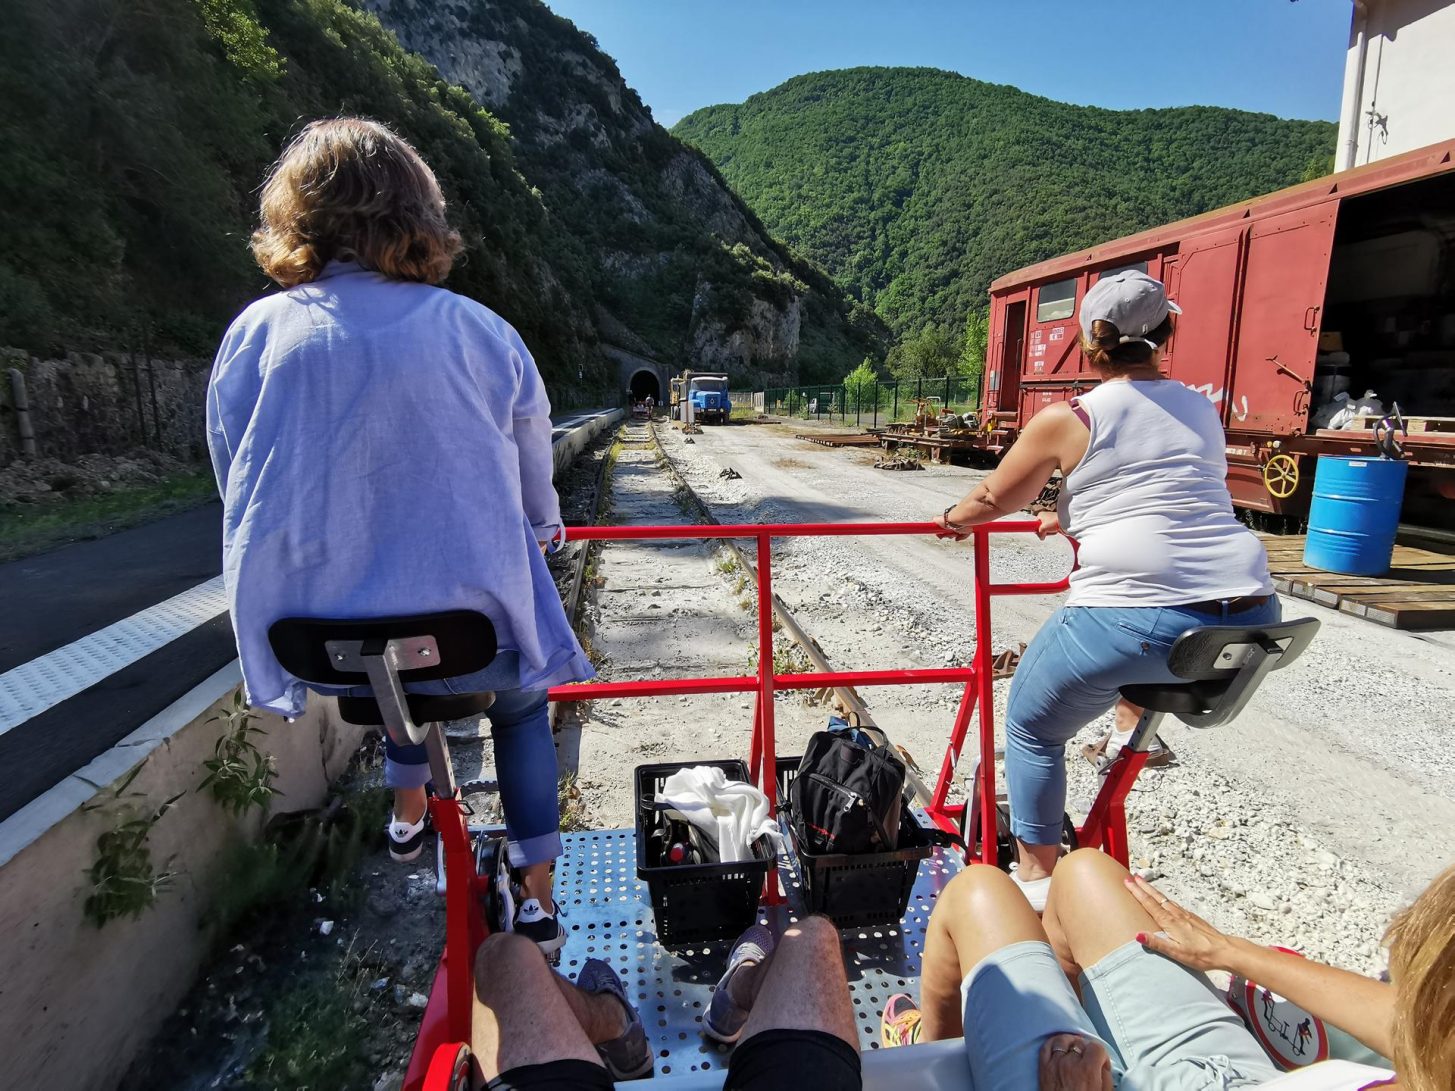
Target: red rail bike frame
<point>446,1021</point>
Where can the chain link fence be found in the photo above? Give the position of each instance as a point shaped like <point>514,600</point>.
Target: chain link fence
<point>870,405</point>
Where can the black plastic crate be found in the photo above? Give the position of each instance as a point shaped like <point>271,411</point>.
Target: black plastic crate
<point>697,901</point>
<point>859,888</point>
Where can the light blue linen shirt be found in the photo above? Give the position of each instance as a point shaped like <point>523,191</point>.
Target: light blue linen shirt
<point>384,447</point>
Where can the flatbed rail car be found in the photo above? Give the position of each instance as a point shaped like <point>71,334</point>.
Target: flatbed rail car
<point>1275,291</point>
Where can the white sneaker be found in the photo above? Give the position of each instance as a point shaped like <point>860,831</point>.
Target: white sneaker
<point>1035,890</point>
<point>406,841</point>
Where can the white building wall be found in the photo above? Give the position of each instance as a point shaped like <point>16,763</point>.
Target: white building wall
<point>1404,97</point>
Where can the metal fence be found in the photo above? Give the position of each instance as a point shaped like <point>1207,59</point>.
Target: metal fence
<point>872,404</point>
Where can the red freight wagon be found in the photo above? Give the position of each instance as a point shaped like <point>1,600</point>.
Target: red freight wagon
<point>1347,282</point>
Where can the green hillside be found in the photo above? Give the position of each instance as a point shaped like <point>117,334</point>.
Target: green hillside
<point>134,135</point>
<point>137,131</point>
<point>915,187</point>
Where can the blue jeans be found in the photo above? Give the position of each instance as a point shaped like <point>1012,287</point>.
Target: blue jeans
<point>1069,676</point>
<point>525,765</point>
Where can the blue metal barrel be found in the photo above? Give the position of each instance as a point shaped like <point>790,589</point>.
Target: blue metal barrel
<point>1355,513</point>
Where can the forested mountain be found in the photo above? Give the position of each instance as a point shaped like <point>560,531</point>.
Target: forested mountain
<point>134,134</point>
<point>678,258</point>
<point>916,187</point>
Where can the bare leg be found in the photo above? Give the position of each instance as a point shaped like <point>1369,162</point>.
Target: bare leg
<point>1036,861</point>
<point>535,882</point>
<point>803,985</point>
<point>522,1016</point>
<point>600,1014</point>
<point>1090,912</point>
<point>980,911</point>
<point>409,804</point>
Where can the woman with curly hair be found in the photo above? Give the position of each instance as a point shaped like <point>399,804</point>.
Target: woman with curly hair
<point>383,447</point>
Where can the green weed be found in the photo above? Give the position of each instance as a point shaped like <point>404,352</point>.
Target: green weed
<point>124,880</point>
<point>573,807</point>
<point>318,1031</point>
<point>239,775</point>
<point>30,528</point>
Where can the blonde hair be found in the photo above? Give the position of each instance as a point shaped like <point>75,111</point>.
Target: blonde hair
<point>1422,966</point>
<point>351,189</point>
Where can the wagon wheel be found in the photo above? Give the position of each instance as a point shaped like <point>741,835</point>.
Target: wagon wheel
<point>1280,476</point>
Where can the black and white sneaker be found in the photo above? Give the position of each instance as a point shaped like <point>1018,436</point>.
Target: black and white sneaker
<point>406,841</point>
<point>540,927</point>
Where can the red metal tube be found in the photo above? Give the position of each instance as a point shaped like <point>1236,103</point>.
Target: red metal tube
<point>768,752</point>
<point>785,530</point>
<point>986,695</point>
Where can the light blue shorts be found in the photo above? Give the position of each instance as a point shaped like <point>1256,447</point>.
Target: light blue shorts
<point>1165,1027</point>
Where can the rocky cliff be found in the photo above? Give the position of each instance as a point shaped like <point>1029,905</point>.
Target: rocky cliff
<point>673,255</point>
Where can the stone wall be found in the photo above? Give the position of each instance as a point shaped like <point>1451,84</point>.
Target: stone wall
<point>107,404</point>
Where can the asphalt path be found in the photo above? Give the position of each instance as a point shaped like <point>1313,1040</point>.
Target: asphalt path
<point>52,599</point>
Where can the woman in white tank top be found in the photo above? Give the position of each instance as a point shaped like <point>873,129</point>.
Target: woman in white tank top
<point>1144,493</point>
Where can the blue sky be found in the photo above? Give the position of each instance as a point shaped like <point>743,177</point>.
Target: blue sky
<point>1274,56</point>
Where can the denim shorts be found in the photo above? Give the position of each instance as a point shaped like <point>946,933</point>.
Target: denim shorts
<point>1164,1026</point>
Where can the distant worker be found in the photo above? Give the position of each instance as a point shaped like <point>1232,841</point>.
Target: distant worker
<point>383,448</point>
<point>1144,491</point>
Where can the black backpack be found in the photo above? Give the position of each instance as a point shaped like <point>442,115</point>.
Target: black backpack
<point>847,796</point>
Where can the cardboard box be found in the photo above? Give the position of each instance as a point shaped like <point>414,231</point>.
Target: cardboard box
<point>1331,341</point>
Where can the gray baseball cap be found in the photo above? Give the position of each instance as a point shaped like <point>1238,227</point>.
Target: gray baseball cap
<point>1131,301</point>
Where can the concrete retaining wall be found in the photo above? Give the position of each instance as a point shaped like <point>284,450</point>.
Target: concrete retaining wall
<point>566,449</point>
<point>76,1002</point>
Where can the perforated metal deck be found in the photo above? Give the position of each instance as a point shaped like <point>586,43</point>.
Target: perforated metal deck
<point>609,915</point>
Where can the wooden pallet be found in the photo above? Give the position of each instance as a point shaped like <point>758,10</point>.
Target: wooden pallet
<point>1413,425</point>
<point>840,439</point>
<point>1418,591</point>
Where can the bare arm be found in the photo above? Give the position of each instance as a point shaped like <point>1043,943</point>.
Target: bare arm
<point>1045,445</point>
<point>1359,1005</point>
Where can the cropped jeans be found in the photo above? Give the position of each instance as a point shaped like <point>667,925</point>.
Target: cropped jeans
<point>1069,676</point>
<point>525,766</point>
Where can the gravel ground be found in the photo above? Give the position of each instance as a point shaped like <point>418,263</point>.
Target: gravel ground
<point>1307,822</point>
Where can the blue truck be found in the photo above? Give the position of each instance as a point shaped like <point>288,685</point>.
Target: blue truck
<point>708,395</point>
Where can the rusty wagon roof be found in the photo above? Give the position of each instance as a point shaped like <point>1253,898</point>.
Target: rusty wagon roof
<point>1421,163</point>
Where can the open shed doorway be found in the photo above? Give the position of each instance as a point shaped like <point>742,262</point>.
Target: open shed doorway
<point>644,385</point>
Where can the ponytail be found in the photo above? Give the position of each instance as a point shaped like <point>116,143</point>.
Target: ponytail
<point>1109,350</point>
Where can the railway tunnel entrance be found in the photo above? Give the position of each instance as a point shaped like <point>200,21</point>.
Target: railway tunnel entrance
<point>645,384</point>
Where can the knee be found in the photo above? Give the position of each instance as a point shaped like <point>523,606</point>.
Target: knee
<point>505,957</point>
<point>1084,869</point>
<point>972,895</point>
<point>815,931</point>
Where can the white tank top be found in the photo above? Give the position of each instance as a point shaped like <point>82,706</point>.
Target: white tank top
<point>1149,503</point>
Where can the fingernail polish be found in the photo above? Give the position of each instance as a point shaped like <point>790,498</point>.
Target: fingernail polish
<point>1142,938</point>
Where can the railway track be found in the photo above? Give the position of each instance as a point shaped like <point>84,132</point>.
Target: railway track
<point>688,608</point>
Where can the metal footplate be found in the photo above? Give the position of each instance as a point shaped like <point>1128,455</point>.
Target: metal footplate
<point>608,914</point>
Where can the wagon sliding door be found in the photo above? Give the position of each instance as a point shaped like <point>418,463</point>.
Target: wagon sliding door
<point>1203,279</point>
<point>1283,299</point>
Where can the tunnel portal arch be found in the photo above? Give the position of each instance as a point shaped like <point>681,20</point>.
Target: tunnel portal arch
<point>645,384</point>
